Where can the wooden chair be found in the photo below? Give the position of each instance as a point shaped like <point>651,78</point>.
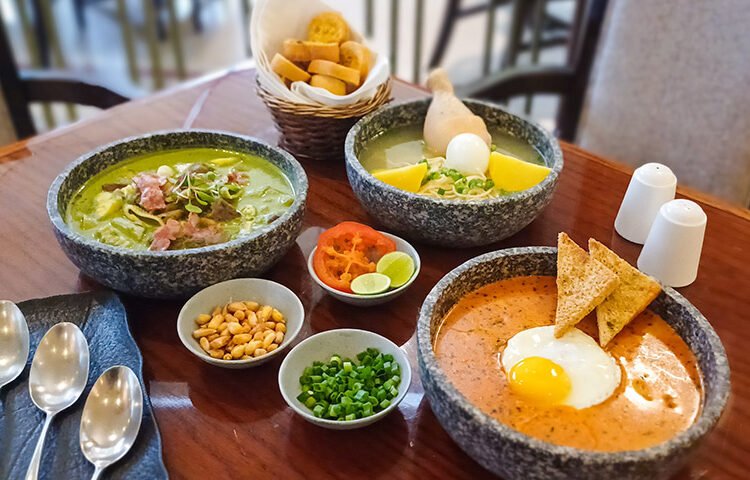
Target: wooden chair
<point>20,88</point>
<point>569,80</point>
<point>547,30</point>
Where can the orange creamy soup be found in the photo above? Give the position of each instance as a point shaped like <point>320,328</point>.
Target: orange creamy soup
<point>659,395</point>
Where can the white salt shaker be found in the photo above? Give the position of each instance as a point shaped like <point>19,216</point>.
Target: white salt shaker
<point>673,248</point>
<point>651,186</point>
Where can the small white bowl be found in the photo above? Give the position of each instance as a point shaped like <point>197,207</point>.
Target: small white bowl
<point>258,290</point>
<point>346,342</point>
<point>379,298</point>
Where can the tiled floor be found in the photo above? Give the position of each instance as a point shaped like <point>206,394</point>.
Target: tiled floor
<point>98,50</point>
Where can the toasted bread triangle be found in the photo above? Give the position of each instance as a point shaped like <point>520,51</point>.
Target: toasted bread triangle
<point>582,284</point>
<point>631,297</point>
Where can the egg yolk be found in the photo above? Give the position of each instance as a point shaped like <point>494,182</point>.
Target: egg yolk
<point>540,380</point>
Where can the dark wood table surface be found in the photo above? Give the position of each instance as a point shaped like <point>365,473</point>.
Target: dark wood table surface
<point>218,423</point>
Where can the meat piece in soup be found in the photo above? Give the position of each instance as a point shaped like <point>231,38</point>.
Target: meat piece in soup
<point>180,199</point>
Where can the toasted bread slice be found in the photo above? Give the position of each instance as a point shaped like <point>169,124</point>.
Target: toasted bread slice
<point>333,85</point>
<point>296,51</point>
<point>328,27</point>
<point>287,69</point>
<point>324,67</point>
<point>357,56</point>
<point>323,51</point>
<point>634,293</point>
<point>582,284</point>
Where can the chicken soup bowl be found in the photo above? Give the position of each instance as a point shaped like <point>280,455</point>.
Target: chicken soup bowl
<point>517,456</point>
<point>252,249</point>
<point>450,222</point>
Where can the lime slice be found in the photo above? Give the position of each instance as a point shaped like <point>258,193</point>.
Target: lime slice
<point>398,266</point>
<point>370,284</point>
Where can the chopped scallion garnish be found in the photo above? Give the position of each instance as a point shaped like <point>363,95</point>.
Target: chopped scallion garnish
<point>346,390</point>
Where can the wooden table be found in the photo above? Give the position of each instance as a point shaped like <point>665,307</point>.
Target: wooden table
<point>218,423</point>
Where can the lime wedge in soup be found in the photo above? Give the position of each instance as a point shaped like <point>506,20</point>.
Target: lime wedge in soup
<point>370,284</point>
<point>398,266</point>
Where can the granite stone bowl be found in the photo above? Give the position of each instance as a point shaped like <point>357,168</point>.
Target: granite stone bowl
<point>513,455</point>
<point>453,223</point>
<point>175,273</point>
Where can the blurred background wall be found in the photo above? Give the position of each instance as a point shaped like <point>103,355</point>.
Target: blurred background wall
<point>147,45</point>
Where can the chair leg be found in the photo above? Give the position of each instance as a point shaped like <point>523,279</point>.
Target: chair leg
<point>161,27</point>
<point>521,10</point>
<point>79,7</point>
<point>197,19</point>
<point>446,30</point>
<point>41,34</point>
<point>246,14</point>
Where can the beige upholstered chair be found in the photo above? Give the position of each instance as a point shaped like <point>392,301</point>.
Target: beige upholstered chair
<point>671,84</point>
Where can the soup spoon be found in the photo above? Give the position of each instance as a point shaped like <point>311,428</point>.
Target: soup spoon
<point>111,417</point>
<point>58,376</point>
<point>14,342</point>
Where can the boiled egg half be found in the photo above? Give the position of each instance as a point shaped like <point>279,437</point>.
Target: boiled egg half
<point>571,370</point>
<point>468,153</point>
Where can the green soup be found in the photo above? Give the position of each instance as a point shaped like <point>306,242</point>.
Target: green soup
<point>180,199</point>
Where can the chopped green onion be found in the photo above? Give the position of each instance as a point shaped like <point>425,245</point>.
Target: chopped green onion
<point>347,389</point>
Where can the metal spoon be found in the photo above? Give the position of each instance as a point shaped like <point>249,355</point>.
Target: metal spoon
<point>111,417</point>
<point>14,342</point>
<point>58,376</point>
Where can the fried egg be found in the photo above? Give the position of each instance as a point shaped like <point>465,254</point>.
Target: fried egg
<point>571,370</point>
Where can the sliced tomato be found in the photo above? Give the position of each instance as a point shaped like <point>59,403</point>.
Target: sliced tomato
<point>347,251</point>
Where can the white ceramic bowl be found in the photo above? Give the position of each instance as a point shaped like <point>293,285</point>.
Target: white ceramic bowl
<point>259,290</point>
<point>379,298</point>
<point>346,342</point>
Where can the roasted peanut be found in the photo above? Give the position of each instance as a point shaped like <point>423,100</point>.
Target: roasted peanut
<point>203,332</point>
<point>242,338</point>
<point>240,330</point>
<point>235,306</point>
<point>264,313</point>
<point>251,347</point>
<point>252,306</point>
<point>238,351</point>
<point>234,328</point>
<point>220,342</point>
<point>216,320</point>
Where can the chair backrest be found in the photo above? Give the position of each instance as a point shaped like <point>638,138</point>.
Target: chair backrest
<point>672,85</point>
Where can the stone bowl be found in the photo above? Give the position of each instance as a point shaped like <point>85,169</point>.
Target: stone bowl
<point>175,273</point>
<point>452,223</point>
<point>513,455</point>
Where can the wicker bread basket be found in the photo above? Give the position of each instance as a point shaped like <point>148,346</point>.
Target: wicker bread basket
<point>317,132</point>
